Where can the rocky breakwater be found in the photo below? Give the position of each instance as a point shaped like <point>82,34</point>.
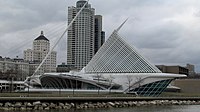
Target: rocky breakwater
<point>117,104</point>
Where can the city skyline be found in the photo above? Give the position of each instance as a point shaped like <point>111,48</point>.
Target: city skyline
<point>172,26</point>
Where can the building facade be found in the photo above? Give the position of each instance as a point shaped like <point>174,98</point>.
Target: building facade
<point>173,69</point>
<point>191,69</point>
<point>64,68</point>
<point>16,68</point>
<point>81,35</point>
<point>41,47</point>
<point>99,34</point>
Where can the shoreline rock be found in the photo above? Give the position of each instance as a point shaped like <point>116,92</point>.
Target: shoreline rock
<point>38,105</point>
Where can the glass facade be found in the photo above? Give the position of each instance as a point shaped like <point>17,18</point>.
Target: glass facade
<point>73,82</point>
<point>152,89</point>
<point>52,82</point>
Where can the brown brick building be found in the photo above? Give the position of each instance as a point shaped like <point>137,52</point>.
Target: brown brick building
<point>173,69</point>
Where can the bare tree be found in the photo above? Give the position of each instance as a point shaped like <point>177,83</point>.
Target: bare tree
<point>98,76</point>
<point>129,81</point>
<point>138,81</point>
<point>110,79</point>
<point>134,83</point>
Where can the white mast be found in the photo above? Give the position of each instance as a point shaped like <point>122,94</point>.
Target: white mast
<point>57,42</point>
<point>59,39</point>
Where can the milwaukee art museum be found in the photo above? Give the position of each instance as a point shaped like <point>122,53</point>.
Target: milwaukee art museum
<point>117,67</point>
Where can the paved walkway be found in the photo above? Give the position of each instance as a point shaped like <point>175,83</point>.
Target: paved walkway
<point>91,99</point>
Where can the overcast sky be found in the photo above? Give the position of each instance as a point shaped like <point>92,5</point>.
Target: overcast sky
<point>164,31</point>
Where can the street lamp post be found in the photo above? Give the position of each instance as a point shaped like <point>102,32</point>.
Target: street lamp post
<point>59,91</point>
<point>28,87</point>
<point>98,82</point>
<point>28,91</point>
<point>73,84</point>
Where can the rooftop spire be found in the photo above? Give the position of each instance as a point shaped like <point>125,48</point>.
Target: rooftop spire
<point>121,25</point>
<point>42,33</point>
<point>41,37</point>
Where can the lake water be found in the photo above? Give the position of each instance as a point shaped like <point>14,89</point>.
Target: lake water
<point>185,108</point>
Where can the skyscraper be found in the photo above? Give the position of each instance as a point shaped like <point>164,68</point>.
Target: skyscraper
<point>81,35</point>
<point>99,34</point>
<point>41,46</point>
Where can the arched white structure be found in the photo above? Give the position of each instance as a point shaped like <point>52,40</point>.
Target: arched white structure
<point>116,67</point>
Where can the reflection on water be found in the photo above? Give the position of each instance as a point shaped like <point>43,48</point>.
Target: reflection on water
<point>185,108</point>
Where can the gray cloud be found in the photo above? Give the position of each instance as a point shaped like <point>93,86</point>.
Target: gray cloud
<point>166,32</point>
<point>22,14</point>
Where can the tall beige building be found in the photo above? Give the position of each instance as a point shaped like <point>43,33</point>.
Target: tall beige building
<point>41,47</point>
